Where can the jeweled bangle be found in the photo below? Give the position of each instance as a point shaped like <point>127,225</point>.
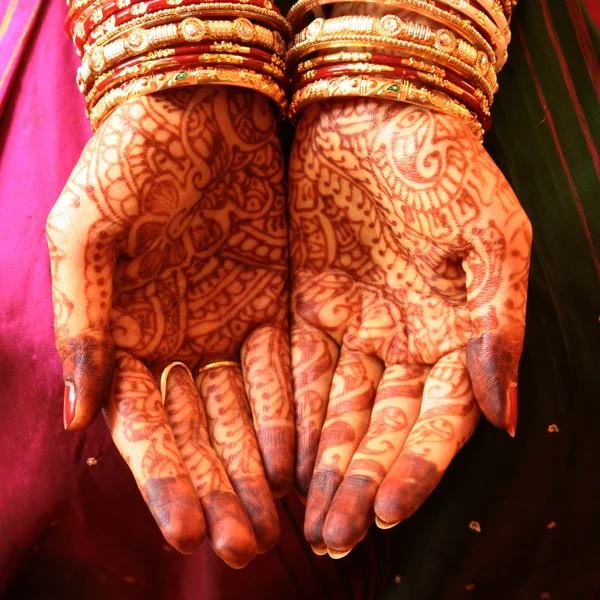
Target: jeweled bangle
<point>214,47</point>
<point>495,12</point>
<point>190,30</point>
<point>227,10</point>
<point>400,90</point>
<point>142,67</point>
<point>392,61</point>
<point>487,83</point>
<point>101,10</point>
<point>171,15</point>
<point>343,56</point>
<point>413,75</point>
<point>486,27</point>
<point>158,82</point>
<point>394,27</point>
<point>447,18</point>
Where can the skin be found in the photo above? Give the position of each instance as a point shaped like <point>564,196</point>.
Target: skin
<point>169,243</point>
<point>410,257</point>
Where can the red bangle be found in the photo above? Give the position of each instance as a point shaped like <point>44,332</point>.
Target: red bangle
<point>185,50</point>
<point>79,24</point>
<point>394,61</point>
<point>95,30</point>
<point>123,74</point>
<point>426,79</point>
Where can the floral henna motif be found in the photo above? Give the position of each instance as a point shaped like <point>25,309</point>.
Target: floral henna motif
<point>169,242</point>
<point>407,245</point>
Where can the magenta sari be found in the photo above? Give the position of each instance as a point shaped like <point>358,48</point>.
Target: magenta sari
<point>72,523</point>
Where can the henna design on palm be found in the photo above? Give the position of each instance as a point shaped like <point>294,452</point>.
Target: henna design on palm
<point>169,243</point>
<point>409,251</point>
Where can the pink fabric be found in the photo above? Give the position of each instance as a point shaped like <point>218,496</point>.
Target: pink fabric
<point>17,19</point>
<point>68,529</point>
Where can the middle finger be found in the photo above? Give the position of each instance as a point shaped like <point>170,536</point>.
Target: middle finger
<point>232,436</point>
<point>348,413</point>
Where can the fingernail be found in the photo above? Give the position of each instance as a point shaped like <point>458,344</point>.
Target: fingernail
<point>335,554</point>
<point>512,409</point>
<point>384,524</point>
<point>319,550</point>
<point>69,404</point>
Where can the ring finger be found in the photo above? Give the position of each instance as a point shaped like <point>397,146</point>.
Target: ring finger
<point>229,529</point>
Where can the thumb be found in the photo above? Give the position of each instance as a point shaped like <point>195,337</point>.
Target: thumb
<point>497,268</point>
<point>82,261</point>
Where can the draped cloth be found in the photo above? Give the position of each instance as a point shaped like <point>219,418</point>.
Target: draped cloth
<point>512,519</point>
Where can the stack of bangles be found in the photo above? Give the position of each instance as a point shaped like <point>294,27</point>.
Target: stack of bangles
<point>130,48</point>
<point>439,54</point>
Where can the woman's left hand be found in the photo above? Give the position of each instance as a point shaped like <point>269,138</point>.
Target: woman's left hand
<point>410,257</point>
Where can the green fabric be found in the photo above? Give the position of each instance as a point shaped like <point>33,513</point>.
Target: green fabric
<point>515,488</point>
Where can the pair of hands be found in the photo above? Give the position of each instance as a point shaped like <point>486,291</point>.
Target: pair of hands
<point>409,257</point>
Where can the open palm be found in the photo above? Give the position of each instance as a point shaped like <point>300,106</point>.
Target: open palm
<point>410,258</point>
<point>169,243</point>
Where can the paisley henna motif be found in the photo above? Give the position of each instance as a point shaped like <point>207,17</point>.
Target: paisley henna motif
<point>410,248</point>
<point>169,243</point>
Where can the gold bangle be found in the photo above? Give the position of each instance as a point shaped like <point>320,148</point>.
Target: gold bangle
<point>487,84</point>
<point>400,90</point>
<point>267,17</point>
<point>191,30</point>
<point>349,57</point>
<point>218,365</point>
<point>108,30</point>
<point>499,41</point>
<point>235,50</point>
<point>158,82</point>
<point>165,375</point>
<point>393,27</point>
<point>377,69</point>
<point>451,20</point>
<point>150,66</point>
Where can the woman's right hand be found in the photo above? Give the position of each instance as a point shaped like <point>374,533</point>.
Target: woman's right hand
<point>169,243</point>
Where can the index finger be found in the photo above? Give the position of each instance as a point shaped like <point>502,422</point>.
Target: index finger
<point>138,422</point>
